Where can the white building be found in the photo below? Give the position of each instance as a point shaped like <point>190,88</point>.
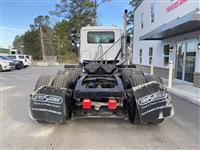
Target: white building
<point>168,30</point>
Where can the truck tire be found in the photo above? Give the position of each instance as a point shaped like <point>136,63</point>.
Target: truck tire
<point>62,72</point>
<point>150,78</point>
<point>61,81</point>
<point>67,81</point>
<point>44,80</point>
<point>1,69</point>
<point>135,79</point>
<point>155,122</point>
<point>132,77</point>
<point>138,77</point>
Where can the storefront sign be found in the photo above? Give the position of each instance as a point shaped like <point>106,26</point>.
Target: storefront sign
<point>175,5</point>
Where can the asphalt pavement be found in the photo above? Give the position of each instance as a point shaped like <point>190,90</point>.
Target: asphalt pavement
<point>19,131</point>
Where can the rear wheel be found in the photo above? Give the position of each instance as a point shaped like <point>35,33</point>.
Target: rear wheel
<point>158,121</point>
<point>62,72</point>
<point>135,79</point>
<point>18,66</point>
<point>1,69</point>
<point>67,81</point>
<point>138,77</point>
<point>42,81</point>
<point>131,78</point>
<point>150,78</point>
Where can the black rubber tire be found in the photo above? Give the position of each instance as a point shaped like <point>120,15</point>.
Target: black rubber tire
<point>136,78</point>
<point>158,121</point>
<point>1,69</point>
<point>132,77</point>
<point>66,81</point>
<point>42,121</point>
<point>17,66</point>
<point>68,77</point>
<point>150,78</point>
<point>44,80</point>
<point>128,72</point>
<point>62,72</point>
<point>62,81</point>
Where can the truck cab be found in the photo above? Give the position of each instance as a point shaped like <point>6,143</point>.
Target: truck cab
<point>96,40</point>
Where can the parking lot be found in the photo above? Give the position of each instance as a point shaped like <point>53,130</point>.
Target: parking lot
<point>19,131</point>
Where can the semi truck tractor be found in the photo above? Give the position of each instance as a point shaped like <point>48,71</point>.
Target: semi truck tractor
<point>103,84</point>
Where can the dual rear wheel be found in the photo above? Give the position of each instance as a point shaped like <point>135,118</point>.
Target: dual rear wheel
<point>131,78</point>
<point>63,79</point>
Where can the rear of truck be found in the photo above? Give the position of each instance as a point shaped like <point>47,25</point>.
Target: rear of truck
<point>100,86</point>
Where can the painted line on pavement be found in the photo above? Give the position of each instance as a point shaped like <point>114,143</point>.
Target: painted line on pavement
<point>6,88</point>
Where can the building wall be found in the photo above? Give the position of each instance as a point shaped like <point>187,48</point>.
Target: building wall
<point>161,17</point>
<point>165,11</point>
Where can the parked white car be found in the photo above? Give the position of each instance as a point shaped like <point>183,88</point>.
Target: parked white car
<point>6,64</point>
<point>29,59</point>
<point>21,58</point>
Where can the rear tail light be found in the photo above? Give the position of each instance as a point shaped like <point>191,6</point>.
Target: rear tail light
<point>112,104</point>
<point>86,104</point>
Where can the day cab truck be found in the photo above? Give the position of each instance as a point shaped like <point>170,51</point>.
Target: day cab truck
<point>101,85</point>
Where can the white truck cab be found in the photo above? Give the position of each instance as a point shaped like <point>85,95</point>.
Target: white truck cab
<point>96,40</point>
<point>15,52</point>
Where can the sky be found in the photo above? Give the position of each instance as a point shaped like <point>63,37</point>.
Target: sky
<point>17,15</point>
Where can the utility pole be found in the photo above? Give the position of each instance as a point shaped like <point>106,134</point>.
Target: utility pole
<point>42,43</point>
<point>125,53</point>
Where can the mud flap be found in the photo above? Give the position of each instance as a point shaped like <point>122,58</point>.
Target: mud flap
<point>153,101</point>
<point>49,104</point>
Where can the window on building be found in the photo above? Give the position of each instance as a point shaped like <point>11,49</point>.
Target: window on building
<point>150,54</point>
<point>166,55</point>
<point>140,56</point>
<point>142,20</point>
<point>152,12</point>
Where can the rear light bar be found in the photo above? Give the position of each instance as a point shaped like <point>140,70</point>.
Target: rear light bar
<point>86,103</point>
<point>112,104</point>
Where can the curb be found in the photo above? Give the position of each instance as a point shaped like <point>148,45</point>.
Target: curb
<point>186,98</point>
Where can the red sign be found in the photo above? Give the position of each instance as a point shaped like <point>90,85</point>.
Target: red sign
<point>175,5</point>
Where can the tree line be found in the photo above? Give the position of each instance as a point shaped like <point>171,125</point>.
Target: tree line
<point>56,39</point>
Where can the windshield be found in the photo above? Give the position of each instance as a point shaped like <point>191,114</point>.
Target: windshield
<point>4,57</point>
<point>101,37</point>
<point>12,57</point>
<point>21,57</point>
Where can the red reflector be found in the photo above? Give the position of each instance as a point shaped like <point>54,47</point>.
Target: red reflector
<point>86,103</point>
<point>112,104</point>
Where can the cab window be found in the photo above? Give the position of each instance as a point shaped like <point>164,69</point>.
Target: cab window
<point>100,37</point>
<point>21,57</point>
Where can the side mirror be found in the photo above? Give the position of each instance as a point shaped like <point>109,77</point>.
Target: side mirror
<point>74,39</point>
<point>73,36</point>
